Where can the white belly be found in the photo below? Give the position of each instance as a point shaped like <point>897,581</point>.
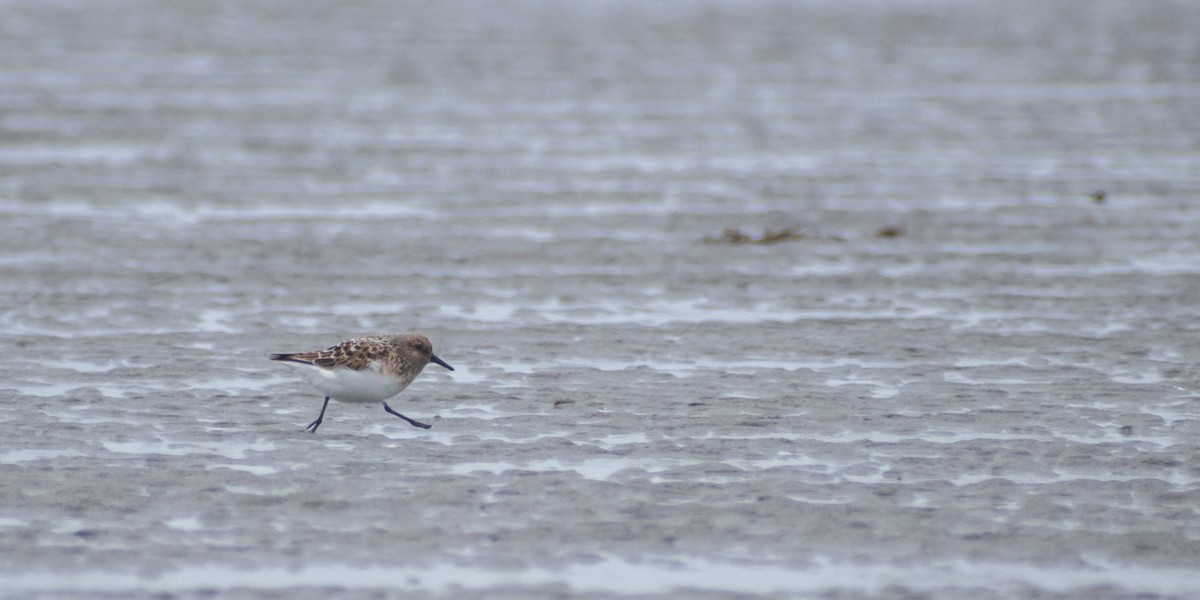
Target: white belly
<point>345,385</point>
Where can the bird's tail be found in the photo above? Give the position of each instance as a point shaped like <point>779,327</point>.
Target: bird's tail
<point>304,358</point>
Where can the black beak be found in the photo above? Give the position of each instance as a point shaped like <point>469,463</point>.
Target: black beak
<point>434,358</point>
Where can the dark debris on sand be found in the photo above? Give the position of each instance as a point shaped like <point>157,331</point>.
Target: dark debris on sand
<point>736,237</point>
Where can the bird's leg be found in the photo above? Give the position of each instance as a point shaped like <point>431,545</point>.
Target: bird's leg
<point>410,421</point>
<point>312,427</point>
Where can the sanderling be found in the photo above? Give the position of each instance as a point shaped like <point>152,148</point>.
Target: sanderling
<point>365,369</point>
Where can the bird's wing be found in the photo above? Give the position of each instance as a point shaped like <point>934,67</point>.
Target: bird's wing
<point>356,354</point>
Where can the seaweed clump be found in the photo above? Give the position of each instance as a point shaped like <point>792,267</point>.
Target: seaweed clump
<point>737,237</point>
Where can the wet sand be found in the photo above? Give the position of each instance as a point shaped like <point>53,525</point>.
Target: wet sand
<point>957,373</point>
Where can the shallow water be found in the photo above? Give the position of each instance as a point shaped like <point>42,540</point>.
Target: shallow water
<point>997,399</point>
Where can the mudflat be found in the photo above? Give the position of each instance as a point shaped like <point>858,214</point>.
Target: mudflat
<point>766,299</point>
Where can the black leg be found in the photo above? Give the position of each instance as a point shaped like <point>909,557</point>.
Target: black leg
<point>410,421</point>
<point>312,427</point>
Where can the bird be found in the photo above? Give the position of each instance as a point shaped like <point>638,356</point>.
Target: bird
<point>364,369</point>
